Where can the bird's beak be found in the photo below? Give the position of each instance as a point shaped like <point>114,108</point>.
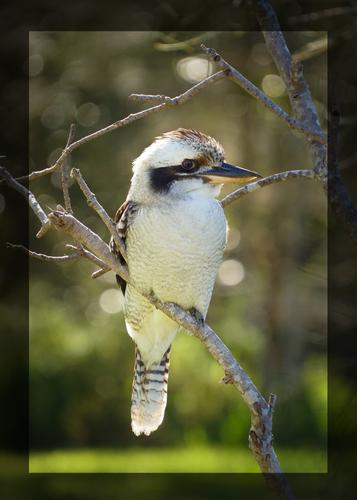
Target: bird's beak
<point>226,173</point>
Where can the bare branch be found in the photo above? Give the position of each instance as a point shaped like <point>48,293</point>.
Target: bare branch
<point>168,102</point>
<point>93,203</point>
<point>64,171</point>
<point>249,87</point>
<point>32,201</point>
<point>44,257</point>
<point>298,91</point>
<point>74,145</point>
<point>78,252</point>
<point>79,232</point>
<point>82,252</point>
<point>310,50</point>
<point>260,409</point>
<point>100,272</point>
<point>186,45</point>
<point>180,99</point>
<point>266,181</point>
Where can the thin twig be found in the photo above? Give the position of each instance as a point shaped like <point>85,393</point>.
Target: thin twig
<point>97,207</point>
<point>32,201</point>
<point>310,50</point>
<point>64,171</point>
<point>186,45</point>
<point>83,252</point>
<point>249,87</point>
<point>100,272</point>
<point>266,181</point>
<point>180,99</point>
<point>42,256</point>
<point>118,124</point>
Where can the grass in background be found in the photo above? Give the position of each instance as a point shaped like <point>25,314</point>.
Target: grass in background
<point>198,459</point>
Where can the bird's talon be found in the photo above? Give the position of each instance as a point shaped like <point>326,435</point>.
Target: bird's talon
<point>227,379</point>
<point>197,316</point>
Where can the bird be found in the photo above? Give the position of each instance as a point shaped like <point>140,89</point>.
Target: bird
<point>175,232</point>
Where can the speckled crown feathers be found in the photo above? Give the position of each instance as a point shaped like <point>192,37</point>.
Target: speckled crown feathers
<point>202,143</point>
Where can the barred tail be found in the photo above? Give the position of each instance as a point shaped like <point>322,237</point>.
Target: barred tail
<point>149,395</point>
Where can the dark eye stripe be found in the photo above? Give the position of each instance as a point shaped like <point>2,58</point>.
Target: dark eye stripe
<point>162,178</point>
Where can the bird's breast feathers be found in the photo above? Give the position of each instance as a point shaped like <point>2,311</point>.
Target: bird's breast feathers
<point>175,250</point>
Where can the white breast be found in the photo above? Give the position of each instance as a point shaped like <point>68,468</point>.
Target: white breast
<point>174,249</point>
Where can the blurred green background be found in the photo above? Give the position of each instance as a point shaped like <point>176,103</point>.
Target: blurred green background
<point>269,303</point>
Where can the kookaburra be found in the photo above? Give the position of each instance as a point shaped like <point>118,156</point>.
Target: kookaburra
<point>175,233</point>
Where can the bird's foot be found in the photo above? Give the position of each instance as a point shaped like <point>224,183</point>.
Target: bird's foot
<point>227,379</point>
<point>197,316</point>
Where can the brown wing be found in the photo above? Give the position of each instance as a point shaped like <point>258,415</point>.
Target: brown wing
<point>123,218</point>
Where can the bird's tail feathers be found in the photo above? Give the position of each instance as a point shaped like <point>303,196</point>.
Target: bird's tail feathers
<point>149,394</point>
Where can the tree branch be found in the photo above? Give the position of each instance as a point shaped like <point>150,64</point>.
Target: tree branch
<point>297,89</point>
<point>78,252</point>
<point>64,171</point>
<point>32,201</point>
<point>304,108</point>
<point>82,252</point>
<point>167,103</point>
<point>249,87</point>
<point>79,232</point>
<point>180,99</point>
<point>185,45</point>
<point>260,433</point>
<point>93,203</point>
<point>266,181</point>
<point>100,272</point>
<point>42,256</point>
<point>310,50</point>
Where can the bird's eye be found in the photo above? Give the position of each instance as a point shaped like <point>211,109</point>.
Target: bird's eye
<point>188,164</point>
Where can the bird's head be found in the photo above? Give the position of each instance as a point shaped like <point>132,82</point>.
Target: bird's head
<point>184,162</point>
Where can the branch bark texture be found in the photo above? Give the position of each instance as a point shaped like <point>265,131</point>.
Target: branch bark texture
<point>291,71</point>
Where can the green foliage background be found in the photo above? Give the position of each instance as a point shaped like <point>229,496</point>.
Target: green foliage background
<point>273,320</point>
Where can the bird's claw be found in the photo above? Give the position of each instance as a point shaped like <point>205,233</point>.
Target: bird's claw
<point>197,316</point>
<point>227,379</point>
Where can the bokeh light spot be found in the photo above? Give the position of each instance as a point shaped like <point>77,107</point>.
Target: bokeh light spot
<point>273,85</point>
<point>231,272</point>
<point>88,114</point>
<point>194,69</point>
<point>111,301</point>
